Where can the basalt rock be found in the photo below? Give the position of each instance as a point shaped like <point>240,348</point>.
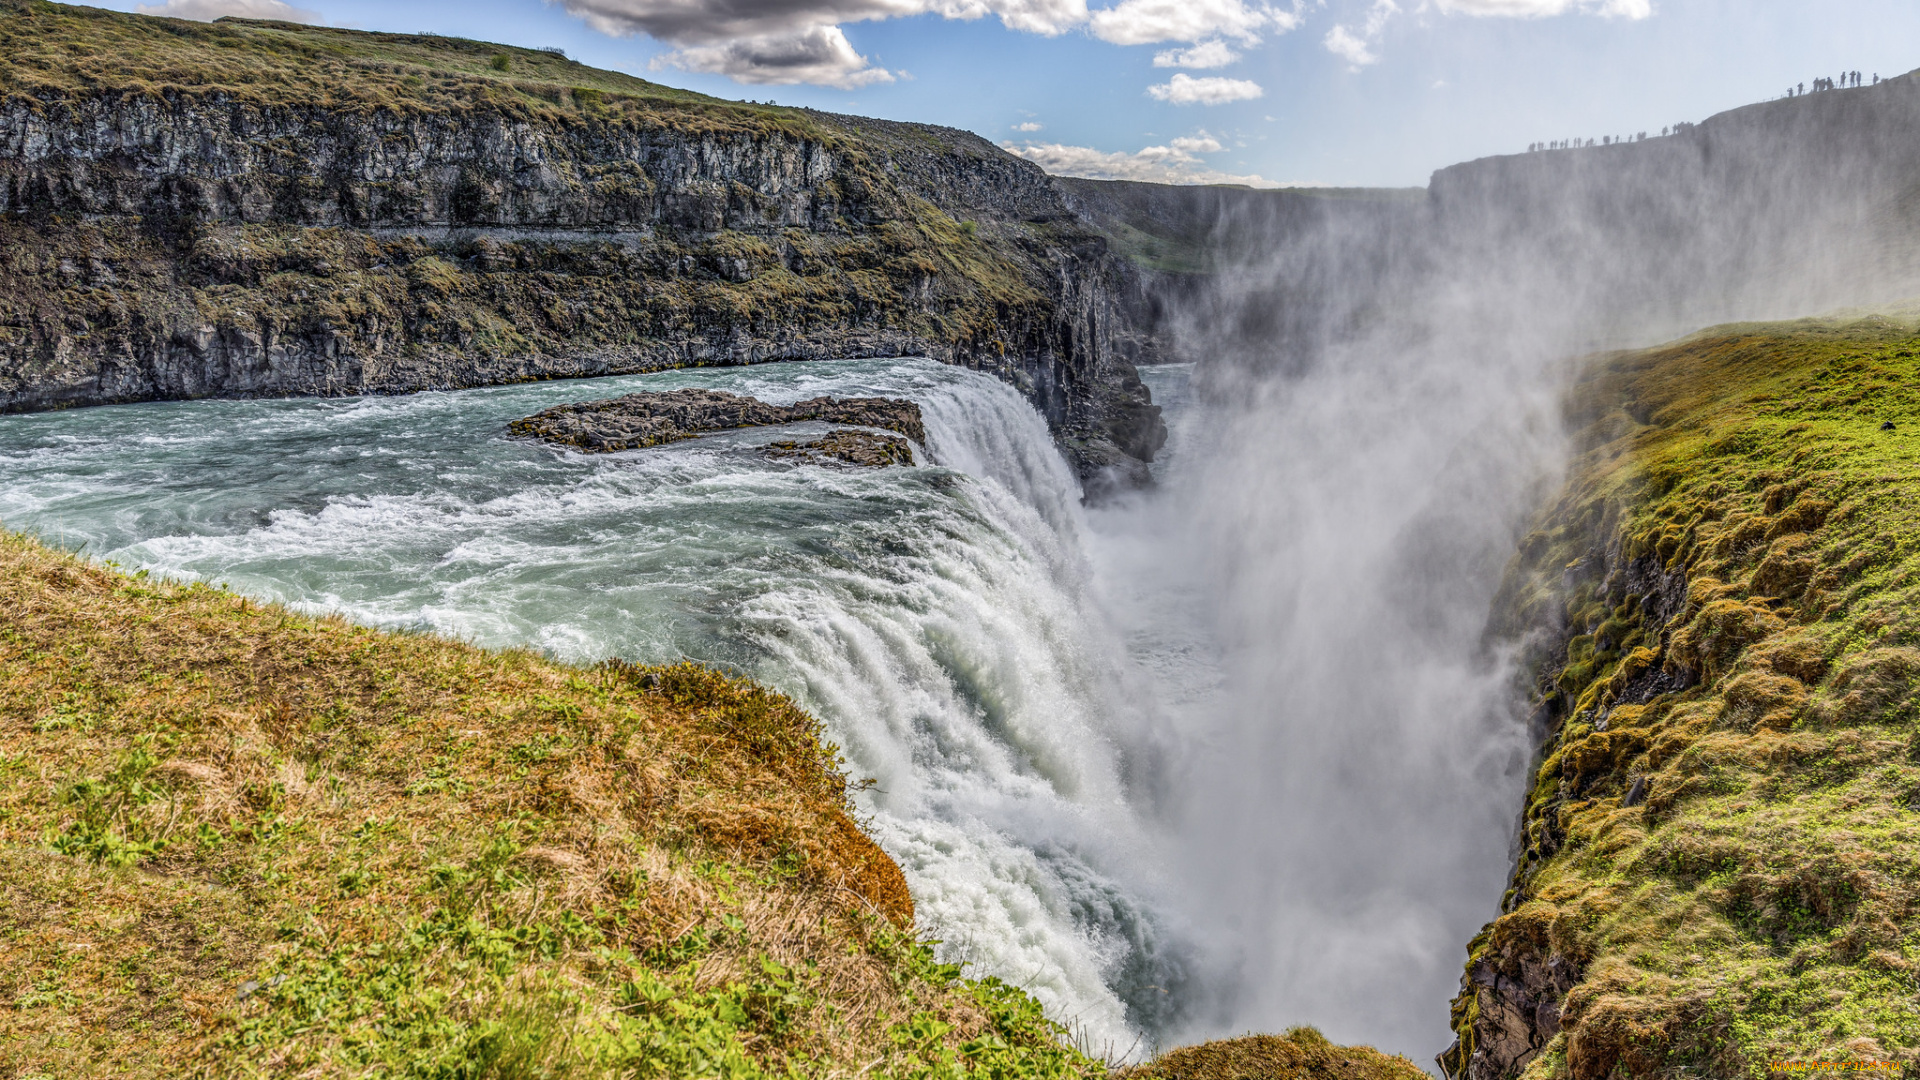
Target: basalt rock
<point>1514,990</point>
<point>868,449</point>
<point>653,419</point>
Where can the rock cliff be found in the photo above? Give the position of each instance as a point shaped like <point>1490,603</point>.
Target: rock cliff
<point>249,208</point>
<point>1716,859</point>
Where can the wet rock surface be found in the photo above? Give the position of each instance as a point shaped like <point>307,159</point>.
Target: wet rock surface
<point>869,449</point>
<point>653,419</point>
<point>1519,988</point>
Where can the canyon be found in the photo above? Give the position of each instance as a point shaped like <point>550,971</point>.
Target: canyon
<point>1511,577</point>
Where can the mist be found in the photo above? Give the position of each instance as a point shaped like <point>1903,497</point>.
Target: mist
<point>1380,383</point>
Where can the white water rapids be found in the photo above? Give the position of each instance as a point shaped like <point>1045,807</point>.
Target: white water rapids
<point>954,624</point>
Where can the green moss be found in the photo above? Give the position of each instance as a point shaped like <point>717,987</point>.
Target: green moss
<point>1757,906</point>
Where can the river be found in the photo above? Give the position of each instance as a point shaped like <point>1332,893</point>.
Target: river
<point>1002,664</point>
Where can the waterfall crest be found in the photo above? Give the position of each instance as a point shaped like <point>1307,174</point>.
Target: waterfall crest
<point>941,620</point>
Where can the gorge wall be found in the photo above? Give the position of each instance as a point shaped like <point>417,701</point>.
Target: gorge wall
<point>1771,209</point>
<point>263,209</point>
<point>1392,395</point>
<point>1716,860</point>
<point>1781,209</point>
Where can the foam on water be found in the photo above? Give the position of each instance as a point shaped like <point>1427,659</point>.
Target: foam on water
<point>940,619</point>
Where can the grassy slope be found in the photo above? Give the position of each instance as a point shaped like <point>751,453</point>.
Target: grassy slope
<point>1300,1054</point>
<point>48,48</point>
<point>266,844</point>
<point>1761,904</point>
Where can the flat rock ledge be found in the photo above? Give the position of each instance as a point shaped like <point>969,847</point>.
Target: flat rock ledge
<point>653,419</point>
<point>871,449</point>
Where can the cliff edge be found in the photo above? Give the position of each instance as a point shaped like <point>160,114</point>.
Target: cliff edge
<point>1718,857</point>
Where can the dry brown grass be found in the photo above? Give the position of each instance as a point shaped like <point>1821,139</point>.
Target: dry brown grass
<point>240,790</point>
<point>1300,1054</point>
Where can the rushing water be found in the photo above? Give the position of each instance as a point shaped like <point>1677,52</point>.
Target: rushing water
<point>945,620</point>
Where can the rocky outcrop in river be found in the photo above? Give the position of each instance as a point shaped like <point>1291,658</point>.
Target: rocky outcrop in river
<point>653,419</point>
<point>255,209</point>
<point>867,449</point>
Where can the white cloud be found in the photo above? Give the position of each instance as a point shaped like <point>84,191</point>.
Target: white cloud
<point>1143,22</point>
<point>1344,44</point>
<point>1028,126</point>
<point>820,55</point>
<point>711,22</point>
<point>1356,47</point>
<point>785,41</point>
<point>1045,17</point>
<point>1359,45</point>
<point>209,10</point>
<point>1207,54</point>
<point>1199,143</point>
<point>1533,9</point>
<point>1154,164</point>
<point>789,41</point>
<point>1187,90</point>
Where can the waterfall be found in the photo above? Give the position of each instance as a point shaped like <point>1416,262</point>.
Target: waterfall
<point>1349,796</point>
<point>942,620</point>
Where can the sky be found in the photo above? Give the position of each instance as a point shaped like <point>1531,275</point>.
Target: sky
<point>1373,93</point>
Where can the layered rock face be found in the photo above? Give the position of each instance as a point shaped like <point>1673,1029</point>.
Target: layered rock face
<point>192,240</point>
